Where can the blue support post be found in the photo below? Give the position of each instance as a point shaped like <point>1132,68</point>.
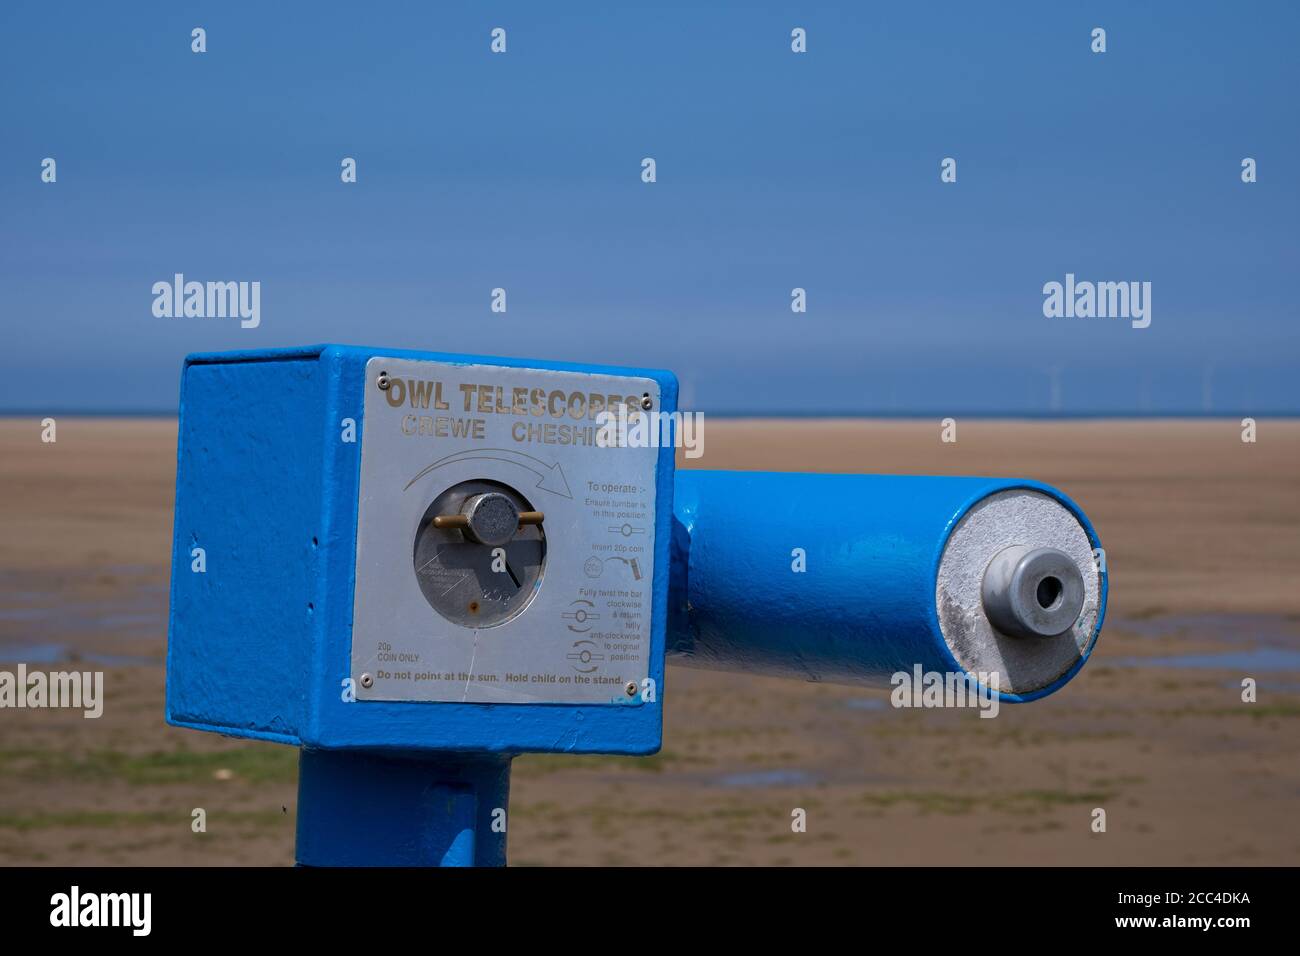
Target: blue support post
<point>369,808</point>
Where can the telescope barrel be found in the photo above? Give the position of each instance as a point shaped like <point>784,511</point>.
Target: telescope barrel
<point>853,578</point>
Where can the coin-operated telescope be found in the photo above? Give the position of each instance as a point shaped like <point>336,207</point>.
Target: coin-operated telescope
<point>415,566</point>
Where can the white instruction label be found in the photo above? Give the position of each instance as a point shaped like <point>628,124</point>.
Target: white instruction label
<point>559,611</point>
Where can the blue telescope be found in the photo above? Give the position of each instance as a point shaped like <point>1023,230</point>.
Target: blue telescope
<point>414,566</point>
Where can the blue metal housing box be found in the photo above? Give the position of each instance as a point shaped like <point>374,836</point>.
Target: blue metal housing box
<point>259,645</point>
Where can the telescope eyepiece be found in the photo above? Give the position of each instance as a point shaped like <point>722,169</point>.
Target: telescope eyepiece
<point>1032,592</point>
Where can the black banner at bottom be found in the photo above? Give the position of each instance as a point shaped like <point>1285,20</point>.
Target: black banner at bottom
<point>584,907</point>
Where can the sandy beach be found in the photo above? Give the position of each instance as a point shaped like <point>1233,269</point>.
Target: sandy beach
<point>1202,535</point>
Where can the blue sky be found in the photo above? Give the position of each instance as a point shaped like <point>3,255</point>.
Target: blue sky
<point>775,171</point>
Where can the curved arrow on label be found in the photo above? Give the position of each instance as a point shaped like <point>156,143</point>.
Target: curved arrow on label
<point>550,475</point>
